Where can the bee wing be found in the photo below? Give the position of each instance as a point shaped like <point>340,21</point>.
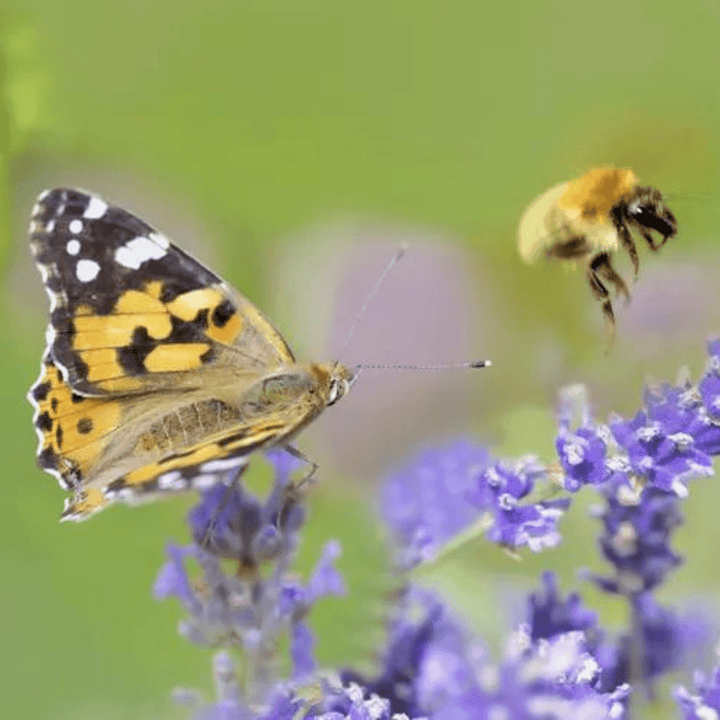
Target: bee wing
<point>535,233</point>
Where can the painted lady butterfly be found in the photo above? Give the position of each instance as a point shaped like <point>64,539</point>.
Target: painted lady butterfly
<point>158,376</point>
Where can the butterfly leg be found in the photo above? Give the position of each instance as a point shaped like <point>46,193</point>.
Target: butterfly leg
<point>295,485</point>
<point>230,488</point>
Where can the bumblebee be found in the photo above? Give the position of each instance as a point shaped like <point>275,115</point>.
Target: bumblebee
<point>586,220</point>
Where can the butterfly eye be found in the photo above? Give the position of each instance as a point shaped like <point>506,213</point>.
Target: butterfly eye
<point>336,390</point>
<point>333,392</point>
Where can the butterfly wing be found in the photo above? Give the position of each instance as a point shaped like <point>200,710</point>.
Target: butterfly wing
<point>132,313</point>
<point>149,355</point>
<point>139,447</point>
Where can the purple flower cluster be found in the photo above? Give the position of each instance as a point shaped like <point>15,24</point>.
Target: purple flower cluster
<point>446,491</point>
<point>250,609</point>
<point>560,663</point>
<point>434,667</point>
<point>705,705</point>
<point>661,640</point>
<point>669,442</point>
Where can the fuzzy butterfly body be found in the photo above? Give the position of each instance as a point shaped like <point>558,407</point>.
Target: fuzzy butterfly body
<point>158,376</point>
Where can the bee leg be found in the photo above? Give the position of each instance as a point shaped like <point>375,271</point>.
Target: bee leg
<point>649,240</point>
<point>603,267</point>
<point>626,239</point>
<point>600,293</point>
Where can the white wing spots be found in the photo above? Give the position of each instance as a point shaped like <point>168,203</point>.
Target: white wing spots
<point>75,226</point>
<point>172,481</point>
<point>205,482</point>
<point>220,465</point>
<point>56,298</point>
<point>160,239</point>
<point>49,335</point>
<point>96,208</point>
<point>43,195</point>
<point>133,254</point>
<point>73,247</point>
<point>45,273</point>
<point>36,209</point>
<point>49,227</point>
<point>87,270</point>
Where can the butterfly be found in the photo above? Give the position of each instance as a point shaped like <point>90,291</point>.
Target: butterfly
<point>158,376</point>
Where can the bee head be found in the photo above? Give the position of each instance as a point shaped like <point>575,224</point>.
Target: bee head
<point>646,209</point>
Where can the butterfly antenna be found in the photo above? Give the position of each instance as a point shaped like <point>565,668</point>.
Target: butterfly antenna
<point>467,365</point>
<point>370,296</point>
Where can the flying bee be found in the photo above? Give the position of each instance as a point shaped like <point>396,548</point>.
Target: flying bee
<point>586,220</point>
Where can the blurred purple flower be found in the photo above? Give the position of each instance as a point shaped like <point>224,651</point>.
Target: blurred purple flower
<point>636,540</point>
<point>250,608</point>
<point>444,491</point>
<point>705,705</point>
<point>231,522</point>
<point>425,504</point>
<point>709,385</point>
<point>661,641</point>
<point>434,666</point>
<point>550,615</point>
<point>173,578</point>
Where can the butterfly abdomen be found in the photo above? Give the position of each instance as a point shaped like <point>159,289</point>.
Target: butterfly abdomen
<point>187,426</point>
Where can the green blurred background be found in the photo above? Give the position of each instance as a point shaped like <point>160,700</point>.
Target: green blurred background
<point>293,144</point>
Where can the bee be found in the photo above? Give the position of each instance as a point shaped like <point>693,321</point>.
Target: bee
<point>586,220</point>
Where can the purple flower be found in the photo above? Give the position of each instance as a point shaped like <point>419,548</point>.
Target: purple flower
<point>498,492</point>
<point>709,385</point>
<point>660,441</point>
<point>636,539</point>
<point>173,578</point>
<point>582,456</point>
<point>433,666</point>
<point>679,410</point>
<point>426,503</point>
<point>705,705</point>
<point>231,522</point>
<point>250,608</point>
<point>550,615</point>
<point>582,452</point>
<point>663,639</point>
<point>660,642</point>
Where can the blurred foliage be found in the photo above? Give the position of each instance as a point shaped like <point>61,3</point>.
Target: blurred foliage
<point>263,116</point>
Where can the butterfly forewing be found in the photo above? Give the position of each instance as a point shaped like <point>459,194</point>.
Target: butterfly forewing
<point>130,311</point>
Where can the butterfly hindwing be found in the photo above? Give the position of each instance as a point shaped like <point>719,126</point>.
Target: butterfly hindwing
<point>134,448</point>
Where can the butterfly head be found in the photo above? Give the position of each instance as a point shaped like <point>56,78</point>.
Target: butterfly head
<point>339,380</point>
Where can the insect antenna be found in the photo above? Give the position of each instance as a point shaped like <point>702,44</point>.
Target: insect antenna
<point>371,294</point>
<point>358,369</point>
<point>467,365</point>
